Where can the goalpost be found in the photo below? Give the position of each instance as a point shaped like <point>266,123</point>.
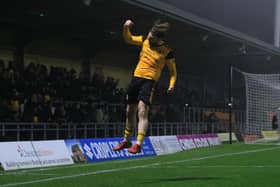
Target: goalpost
<point>262,92</point>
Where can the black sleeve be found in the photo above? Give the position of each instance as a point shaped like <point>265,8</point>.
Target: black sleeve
<point>170,55</point>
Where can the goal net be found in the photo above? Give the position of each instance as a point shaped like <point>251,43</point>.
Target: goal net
<point>262,106</point>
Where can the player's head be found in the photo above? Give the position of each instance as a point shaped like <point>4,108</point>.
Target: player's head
<point>158,32</point>
<point>160,29</point>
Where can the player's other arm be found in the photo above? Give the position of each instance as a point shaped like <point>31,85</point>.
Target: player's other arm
<point>172,71</point>
<point>128,37</point>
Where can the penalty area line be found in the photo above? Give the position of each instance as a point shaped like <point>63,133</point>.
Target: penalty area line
<point>136,167</point>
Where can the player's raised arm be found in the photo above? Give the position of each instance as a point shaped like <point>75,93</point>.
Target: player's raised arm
<point>172,71</point>
<point>128,37</point>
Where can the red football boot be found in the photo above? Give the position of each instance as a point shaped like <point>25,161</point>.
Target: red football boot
<point>135,149</point>
<point>122,145</point>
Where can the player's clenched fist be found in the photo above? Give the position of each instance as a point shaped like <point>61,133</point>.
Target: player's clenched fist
<point>128,23</point>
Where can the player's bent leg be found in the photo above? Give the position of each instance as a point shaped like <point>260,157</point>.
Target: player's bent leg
<point>131,111</point>
<point>143,111</point>
<point>130,124</point>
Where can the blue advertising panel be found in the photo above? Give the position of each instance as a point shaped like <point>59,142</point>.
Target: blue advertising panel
<point>100,149</point>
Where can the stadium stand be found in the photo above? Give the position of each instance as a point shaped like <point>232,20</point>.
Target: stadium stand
<point>55,94</point>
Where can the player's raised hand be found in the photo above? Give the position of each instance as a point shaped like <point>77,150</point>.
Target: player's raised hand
<point>170,90</point>
<point>128,23</point>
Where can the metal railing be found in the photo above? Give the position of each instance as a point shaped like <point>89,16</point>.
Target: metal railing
<point>194,122</point>
<point>46,131</point>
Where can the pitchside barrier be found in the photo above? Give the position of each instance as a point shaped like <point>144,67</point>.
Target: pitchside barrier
<point>191,120</point>
<point>27,154</point>
<point>224,137</point>
<point>270,135</point>
<point>32,154</point>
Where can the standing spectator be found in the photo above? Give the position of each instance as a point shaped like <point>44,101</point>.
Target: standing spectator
<point>30,109</point>
<point>4,110</point>
<point>14,106</point>
<point>45,110</point>
<point>60,113</point>
<point>91,112</point>
<point>76,114</point>
<point>99,114</point>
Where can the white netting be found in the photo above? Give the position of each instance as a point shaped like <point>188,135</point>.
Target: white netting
<point>262,101</point>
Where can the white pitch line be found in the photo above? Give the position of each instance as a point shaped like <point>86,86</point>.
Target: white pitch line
<point>219,166</point>
<point>30,174</point>
<point>222,155</point>
<point>135,167</point>
<point>81,165</point>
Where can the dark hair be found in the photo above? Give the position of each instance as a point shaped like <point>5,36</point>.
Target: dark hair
<point>160,28</point>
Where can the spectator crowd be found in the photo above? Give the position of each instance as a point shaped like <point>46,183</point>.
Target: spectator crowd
<point>39,94</point>
<point>55,94</point>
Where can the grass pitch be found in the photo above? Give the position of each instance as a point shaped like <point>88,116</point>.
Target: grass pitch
<point>236,165</point>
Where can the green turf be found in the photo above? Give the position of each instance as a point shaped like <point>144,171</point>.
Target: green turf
<point>236,165</point>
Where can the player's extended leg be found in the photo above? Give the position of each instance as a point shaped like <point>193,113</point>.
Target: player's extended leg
<point>131,111</point>
<point>143,111</point>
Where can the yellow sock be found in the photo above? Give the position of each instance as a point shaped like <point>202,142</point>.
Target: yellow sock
<point>127,134</point>
<point>140,137</point>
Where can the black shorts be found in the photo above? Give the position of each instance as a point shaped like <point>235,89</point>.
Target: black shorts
<point>140,89</point>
